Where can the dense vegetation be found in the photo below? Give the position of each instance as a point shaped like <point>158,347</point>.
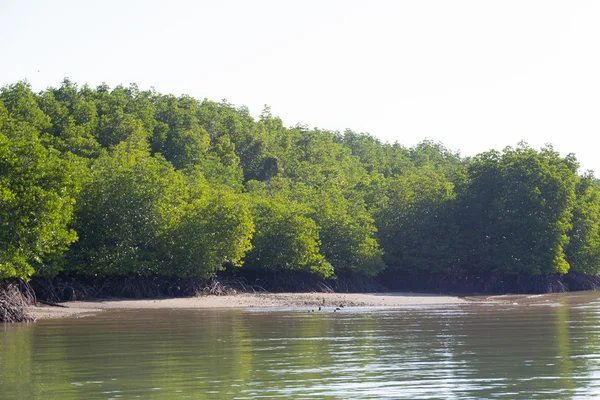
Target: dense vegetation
<point>122,182</point>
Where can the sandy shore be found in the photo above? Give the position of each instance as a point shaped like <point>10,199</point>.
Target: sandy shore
<point>258,300</point>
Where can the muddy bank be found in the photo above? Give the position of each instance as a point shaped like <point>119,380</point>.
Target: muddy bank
<point>254,300</point>
<point>42,311</point>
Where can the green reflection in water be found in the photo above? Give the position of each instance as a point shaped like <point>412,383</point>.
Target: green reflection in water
<point>544,348</point>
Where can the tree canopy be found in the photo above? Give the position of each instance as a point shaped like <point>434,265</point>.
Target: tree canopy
<point>121,181</point>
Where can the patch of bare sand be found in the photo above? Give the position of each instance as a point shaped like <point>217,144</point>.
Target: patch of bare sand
<point>256,300</point>
<point>46,312</point>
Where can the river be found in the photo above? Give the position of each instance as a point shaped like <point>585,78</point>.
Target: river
<point>544,347</point>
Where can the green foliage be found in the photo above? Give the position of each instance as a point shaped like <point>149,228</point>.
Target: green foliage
<point>221,166</point>
<point>22,108</point>
<point>285,237</point>
<point>36,191</point>
<point>130,200</point>
<point>185,142</point>
<point>317,160</point>
<point>583,251</point>
<point>347,232</point>
<point>73,120</point>
<point>516,211</point>
<point>138,215</point>
<point>415,223</point>
<point>174,186</point>
<point>214,230</point>
<point>346,228</point>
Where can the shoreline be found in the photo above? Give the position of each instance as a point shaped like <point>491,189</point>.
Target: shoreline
<point>251,300</point>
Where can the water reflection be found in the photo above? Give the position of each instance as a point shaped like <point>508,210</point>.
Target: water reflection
<point>545,347</point>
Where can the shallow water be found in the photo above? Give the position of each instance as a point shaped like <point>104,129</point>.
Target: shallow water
<point>545,347</point>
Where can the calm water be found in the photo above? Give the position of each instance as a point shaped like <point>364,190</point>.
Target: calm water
<point>546,347</point>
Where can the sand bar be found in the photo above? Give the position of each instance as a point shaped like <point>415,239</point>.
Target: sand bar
<point>245,300</point>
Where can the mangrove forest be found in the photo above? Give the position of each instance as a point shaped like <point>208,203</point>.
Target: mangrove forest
<point>116,184</point>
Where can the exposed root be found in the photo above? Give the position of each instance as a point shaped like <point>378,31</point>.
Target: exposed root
<point>137,287</point>
<point>358,284</point>
<point>289,281</point>
<point>66,289</point>
<point>497,283</point>
<point>579,281</point>
<point>54,290</point>
<point>216,288</point>
<point>15,296</point>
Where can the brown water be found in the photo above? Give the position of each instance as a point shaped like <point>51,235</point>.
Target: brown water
<point>544,347</point>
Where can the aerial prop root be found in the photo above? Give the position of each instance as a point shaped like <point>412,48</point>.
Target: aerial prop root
<point>15,296</point>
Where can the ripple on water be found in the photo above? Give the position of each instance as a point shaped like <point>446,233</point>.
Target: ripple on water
<point>458,352</point>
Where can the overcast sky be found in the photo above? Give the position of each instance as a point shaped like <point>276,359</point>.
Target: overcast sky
<point>474,75</point>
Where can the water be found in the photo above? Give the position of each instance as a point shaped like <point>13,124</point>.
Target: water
<point>545,347</point>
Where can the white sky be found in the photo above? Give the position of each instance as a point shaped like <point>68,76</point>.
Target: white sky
<point>474,75</point>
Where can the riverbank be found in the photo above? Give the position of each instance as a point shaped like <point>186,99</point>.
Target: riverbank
<point>306,301</point>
